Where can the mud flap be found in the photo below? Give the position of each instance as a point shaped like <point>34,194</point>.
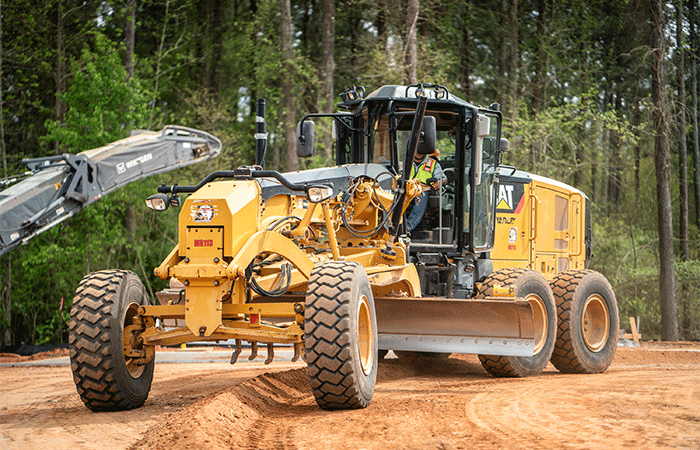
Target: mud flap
<point>493,326</point>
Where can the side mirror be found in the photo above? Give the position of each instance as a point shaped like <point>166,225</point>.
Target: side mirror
<point>483,127</point>
<point>505,145</point>
<point>426,143</point>
<point>305,138</point>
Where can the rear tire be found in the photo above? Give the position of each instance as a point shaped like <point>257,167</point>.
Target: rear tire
<point>340,328</point>
<point>105,302</point>
<point>588,322</point>
<point>532,286</point>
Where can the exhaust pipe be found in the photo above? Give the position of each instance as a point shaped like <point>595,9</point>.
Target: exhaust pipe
<point>260,134</point>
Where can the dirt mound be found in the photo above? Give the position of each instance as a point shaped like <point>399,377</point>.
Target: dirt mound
<point>657,355</point>
<point>15,358</point>
<point>245,416</point>
<point>229,419</point>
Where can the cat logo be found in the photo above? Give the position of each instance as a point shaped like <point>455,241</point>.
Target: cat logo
<point>510,198</point>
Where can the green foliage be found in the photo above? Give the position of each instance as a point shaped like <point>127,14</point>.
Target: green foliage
<point>688,284</point>
<point>103,105</point>
<point>572,79</point>
<point>563,140</point>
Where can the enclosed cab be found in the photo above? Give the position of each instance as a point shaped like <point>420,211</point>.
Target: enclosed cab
<point>541,224</point>
<point>450,245</point>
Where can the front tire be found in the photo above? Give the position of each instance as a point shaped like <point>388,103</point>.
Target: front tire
<point>588,322</point>
<point>340,328</point>
<point>531,286</point>
<point>105,303</point>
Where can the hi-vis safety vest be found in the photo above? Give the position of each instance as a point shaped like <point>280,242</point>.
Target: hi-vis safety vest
<point>425,170</point>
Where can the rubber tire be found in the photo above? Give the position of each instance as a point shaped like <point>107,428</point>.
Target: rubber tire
<point>571,291</point>
<point>334,294</point>
<point>96,326</point>
<point>525,282</point>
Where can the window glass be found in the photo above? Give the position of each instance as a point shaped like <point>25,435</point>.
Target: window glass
<point>382,142</point>
<point>484,205</point>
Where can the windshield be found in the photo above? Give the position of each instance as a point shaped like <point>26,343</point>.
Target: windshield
<point>390,134</point>
<point>383,139</point>
<point>484,207</point>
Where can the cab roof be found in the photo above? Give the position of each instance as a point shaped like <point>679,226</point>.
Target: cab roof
<point>402,92</point>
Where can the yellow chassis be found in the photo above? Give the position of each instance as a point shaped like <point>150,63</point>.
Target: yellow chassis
<point>213,263</point>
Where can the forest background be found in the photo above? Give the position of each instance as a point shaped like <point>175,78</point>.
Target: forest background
<point>601,95</point>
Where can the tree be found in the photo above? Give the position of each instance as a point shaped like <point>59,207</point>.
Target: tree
<point>411,45</point>
<point>682,147</point>
<point>328,61</point>
<point>102,105</point>
<point>130,37</point>
<point>289,104</point>
<point>328,66</point>
<point>6,337</point>
<point>694,61</point>
<point>667,281</point>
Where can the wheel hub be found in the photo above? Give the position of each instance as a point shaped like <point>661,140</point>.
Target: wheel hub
<point>134,369</point>
<point>595,323</point>
<point>539,316</point>
<point>365,337</point>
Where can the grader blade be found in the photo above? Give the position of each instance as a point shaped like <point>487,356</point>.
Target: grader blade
<point>491,326</point>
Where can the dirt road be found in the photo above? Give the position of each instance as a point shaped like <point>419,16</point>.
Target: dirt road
<point>649,398</point>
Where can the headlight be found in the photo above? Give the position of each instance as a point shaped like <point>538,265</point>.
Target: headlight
<point>317,194</point>
<point>158,202</point>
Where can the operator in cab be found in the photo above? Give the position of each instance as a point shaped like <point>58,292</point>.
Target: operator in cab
<point>427,170</point>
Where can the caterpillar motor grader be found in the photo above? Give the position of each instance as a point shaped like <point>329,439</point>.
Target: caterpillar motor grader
<point>320,259</point>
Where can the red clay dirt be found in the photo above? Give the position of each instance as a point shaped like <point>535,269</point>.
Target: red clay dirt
<point>649,398</point>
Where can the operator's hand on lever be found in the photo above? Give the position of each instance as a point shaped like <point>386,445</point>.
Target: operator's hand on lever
<point>433,183</point>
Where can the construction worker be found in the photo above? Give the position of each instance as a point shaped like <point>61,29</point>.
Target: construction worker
<point>427,170</point>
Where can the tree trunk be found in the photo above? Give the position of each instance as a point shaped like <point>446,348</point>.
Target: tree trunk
<point>289,105</point>
<point>328,50</point>
<point>682,149</point>
<point>511,109</point>
<point>216,31</point>
<point>615,169</point>
<point>539,87</point>
<point>411,52</point>
<point>382,26</point>
<point>60,107</point>
<point>6,338</point>
<point>694,61</point>
<point>539,83</point>
<point>130,37</point>
<point>328,65</point>
<point>465,75</point>
<point>159,60</point>
<point>667,281</point>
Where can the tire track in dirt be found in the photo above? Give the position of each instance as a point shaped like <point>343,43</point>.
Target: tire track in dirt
<point>570,411</point>
<point>649,398</point>
<point>454,404</point>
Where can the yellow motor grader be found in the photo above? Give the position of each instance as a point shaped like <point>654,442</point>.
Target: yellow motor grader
<point>321,260</point>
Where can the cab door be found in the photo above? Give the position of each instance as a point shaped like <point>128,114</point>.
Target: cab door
<point>556,239</point>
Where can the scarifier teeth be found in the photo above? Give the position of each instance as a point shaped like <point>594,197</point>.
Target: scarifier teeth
<point>270,353</point>
<point>253,350</point>
<point>237,352</point>
<point>297,352</point>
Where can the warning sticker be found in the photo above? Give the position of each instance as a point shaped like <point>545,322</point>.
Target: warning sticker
<point>202,213</point>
